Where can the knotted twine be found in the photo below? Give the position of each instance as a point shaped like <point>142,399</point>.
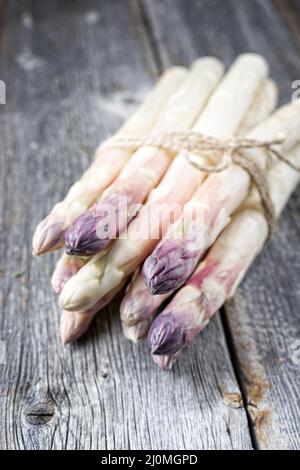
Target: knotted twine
<point>216,156</point>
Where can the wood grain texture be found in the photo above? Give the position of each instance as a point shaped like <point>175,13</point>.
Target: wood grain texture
<point>73,71</point>
<point>290,12</point>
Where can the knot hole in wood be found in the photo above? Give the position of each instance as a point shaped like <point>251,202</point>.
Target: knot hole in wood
<point>39,414</point>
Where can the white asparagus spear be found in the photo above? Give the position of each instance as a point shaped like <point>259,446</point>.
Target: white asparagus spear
<point>75,324</point>
<point>219,274</point>
<point>49,234</point>
<point>263,105</point>
<point>101,275</point>
<point>209,211</point>
<point>138,304</point>
<point>94,230</point>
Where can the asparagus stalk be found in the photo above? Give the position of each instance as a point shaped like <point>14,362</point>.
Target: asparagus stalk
<point>66,267</point>
<point>49,234</point>
<point>138,304</point>
<point>95,229</point>
<point>219,274</point>
<point>105,272</point>
<point>176,256</point>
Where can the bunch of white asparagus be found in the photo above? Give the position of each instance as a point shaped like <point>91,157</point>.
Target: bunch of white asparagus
<point>151,215</point>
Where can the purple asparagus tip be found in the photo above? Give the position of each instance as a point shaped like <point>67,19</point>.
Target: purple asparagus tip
<point>164,336</point>
<point>169,266</point>
<point>93,231</point>
<point>81,238</point>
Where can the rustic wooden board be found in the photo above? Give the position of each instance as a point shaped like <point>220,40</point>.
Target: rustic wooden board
<point>263,322</point>
<point>73,72</point>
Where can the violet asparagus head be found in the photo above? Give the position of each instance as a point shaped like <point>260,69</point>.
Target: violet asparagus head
<point>176,327</point>
<point>170,265</point>
<point>166,335</point>
<point>93,231</point>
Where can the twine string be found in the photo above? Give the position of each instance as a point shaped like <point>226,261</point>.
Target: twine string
<point>216,156</point>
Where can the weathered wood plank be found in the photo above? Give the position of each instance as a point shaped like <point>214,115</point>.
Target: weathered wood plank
<point>122,408</point>
<point>225,29</point>
<point>73,71</point>
<point>264,320</point>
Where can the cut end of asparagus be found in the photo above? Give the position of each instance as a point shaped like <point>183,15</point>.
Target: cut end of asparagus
<point>48,236</point>
<point>73,325</point>
<point>165,336</point>
<point>169,266</point>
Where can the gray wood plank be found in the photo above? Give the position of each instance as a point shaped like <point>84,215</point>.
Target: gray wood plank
<point>73,71</point>
<point>290,12</point>
<point>264,319</point>
<point>225,29</point>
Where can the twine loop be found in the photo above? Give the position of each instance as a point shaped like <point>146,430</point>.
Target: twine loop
<point>213,155</point>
